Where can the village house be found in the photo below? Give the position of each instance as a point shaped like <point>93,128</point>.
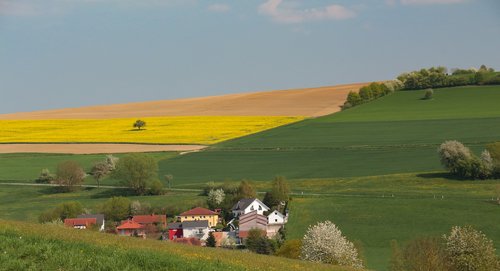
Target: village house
<point>189,229</point>
<point>200,214</point>
<point>80,223</point>
<point>252,220</point>
<point>131,228</point>
<point>151,220</point>
<point>100,222</point>
<point>276,217</point>
<point>245,206</point>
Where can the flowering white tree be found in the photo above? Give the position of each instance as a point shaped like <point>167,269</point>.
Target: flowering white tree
<point>452,153</point>
<point>325,243</point>
<point>215,197</point>
<point>469,249</point>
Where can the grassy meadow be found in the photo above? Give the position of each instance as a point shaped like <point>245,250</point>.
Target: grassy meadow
<point>398,133</point>
<point>159,130</point>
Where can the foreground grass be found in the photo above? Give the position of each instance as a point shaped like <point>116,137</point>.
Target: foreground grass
<point>33,247</point>
<point>164,130</point>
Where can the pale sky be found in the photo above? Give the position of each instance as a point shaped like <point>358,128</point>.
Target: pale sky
<point>68,53</point>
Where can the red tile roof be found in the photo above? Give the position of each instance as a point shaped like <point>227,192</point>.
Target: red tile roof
<point>198,211</point>
<point>72,222</point>
<point>129,225</point>
<point>149,219</point>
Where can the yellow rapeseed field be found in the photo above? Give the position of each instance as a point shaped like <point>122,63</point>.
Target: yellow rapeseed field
<point>161,130</point>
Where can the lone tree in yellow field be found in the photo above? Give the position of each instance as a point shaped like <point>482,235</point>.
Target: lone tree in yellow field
<point>139,124</point>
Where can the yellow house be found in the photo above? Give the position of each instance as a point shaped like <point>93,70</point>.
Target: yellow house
<point>198,214</point>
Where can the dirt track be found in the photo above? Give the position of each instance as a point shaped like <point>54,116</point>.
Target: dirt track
<point>297,102</point>
<point>94,148</point>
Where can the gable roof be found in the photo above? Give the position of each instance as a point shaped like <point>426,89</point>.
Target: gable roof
<point>72,222</point>
<point>253,217</point>
<point>277,213</point>
<point>199,211</point>
<point>98,217</point>
<point>242,204</point>
<point>195,224</point>
<point>149,219</point>
<point>129,225</point>
<point>188,224</point>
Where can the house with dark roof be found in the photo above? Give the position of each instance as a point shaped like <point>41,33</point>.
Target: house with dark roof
<point>100,222</point>
<point>245,206</point>
<point>189,229</point>
<point>200,214</point>
<point>79,223</point>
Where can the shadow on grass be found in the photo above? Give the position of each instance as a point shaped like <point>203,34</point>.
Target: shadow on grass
<point>109,193</point>
<point>442,175</point>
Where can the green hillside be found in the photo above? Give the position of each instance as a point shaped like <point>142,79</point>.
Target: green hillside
<point>394,134</point>
<point>32,247</point>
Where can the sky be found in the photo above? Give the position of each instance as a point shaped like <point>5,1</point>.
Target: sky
<point>70,53</point>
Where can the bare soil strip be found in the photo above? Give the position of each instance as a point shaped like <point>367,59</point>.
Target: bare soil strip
<point>95,148</point>
<point>310,102</point>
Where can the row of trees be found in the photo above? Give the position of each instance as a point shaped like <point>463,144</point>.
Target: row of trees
<point>371,92</point>
<point>461,161</point>
<point>436,77</point>
<point>137,171</point>
<point>463,249</point>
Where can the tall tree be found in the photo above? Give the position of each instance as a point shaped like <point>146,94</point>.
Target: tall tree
<point>100,170</point>
<point>139,124</point>
<point>246,191</point>
<point>211,242</point>
<point>69,175</point>
<point>136,171</point>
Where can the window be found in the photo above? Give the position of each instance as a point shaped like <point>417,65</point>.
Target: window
<point>275,220</point>
<point>200,231</point>
<point>252,208</point>
<point>186,217</point>
<point>260,207</point>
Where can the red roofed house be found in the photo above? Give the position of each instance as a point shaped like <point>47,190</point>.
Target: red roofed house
<point>252,220</point>
<point>198,214</point>
<point>147,220</point>
<point>130,228</point>
<point>80,223</point>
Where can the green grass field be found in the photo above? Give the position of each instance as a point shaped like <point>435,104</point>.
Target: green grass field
<point>32,247</point>
<point>398,133</point>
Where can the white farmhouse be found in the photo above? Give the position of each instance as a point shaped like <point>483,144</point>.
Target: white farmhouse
<point>246,206</point>
<point>276,217</point>
<point>197,229</point>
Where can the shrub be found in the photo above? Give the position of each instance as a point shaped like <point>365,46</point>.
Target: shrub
<point>290,249</point>
<point>469,249</point>
<point>116,208</point>
<point>452,153</point>
<point>425,253</point>
<point>428,94</point>
<point>69,209</point>
<point>325,243</point>
<point>45,177</point>
<point>156,188</point>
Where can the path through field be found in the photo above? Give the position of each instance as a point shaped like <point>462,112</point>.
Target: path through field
<point>95,148</point>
